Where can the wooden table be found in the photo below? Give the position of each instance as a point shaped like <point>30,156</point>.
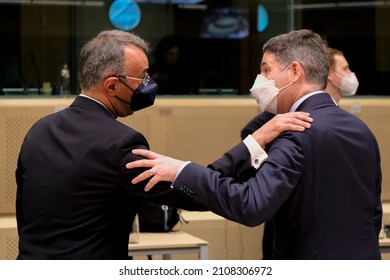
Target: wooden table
<point>168,243</point>
<point>384,244</point>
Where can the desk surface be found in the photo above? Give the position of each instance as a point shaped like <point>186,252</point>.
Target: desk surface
<point>152,240</point>
<point>384,242</point>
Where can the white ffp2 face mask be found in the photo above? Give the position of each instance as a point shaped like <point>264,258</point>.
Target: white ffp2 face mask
<point>348,85</point>
<point>265,92</point>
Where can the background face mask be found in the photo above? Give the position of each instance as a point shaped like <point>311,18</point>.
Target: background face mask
<point>349,84</point>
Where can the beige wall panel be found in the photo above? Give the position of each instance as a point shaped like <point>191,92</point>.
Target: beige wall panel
<point>187,128</point>
<point>385,256</point>
<point>140,121</point>
<point>200,130</point>
<point>16,118</point>
<point>202,135</point>
<point>8,244</point>
<point>8,238</point>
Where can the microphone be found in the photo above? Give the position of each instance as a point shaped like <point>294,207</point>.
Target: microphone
<point>37,72</point>
<point>22,82</point>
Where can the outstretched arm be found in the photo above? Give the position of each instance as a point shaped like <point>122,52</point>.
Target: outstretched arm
<point>163,168</point>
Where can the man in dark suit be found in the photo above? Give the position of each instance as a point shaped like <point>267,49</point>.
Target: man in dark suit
<point>321,187</point>
<point>74,196</point>
<point>341,82</point>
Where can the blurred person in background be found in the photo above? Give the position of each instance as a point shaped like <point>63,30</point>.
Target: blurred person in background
<point>171,69</point>
<point>341,80</point>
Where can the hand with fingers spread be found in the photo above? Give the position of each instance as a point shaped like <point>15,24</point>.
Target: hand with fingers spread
<point>160,168</point>
<point>295,121</point>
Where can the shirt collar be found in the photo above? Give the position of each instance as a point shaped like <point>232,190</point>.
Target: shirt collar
<point>97,101</point>
<point>333,100</point>
<point>303,98</point>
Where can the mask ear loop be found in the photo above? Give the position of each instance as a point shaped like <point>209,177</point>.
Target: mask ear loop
<point>282,88</point>
<point>286,86</point>
<point>123,82</point>
<point>338,75</point>
<point>119,98</point>
<point>283,72</point>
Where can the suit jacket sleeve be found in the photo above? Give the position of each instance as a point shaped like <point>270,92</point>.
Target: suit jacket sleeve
<point>253,202</point>
<point>377,217</point>
<point>19,197</point>
<point>235,163</point>
<point>162,193</point>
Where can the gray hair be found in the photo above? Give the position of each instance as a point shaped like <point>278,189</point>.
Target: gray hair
<point>103,56</point>
<point>306,47</point>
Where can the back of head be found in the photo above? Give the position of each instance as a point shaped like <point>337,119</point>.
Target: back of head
<point>103,56</point>
<point>306,47</point>
<point>331,55</point>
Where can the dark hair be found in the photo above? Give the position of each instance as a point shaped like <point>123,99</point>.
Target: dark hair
<point>164,45</point>
<point>306,47</point>
<point>103,56</point>
<point>331,54</point>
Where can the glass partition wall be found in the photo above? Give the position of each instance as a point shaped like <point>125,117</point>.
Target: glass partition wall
<point>210,47</point>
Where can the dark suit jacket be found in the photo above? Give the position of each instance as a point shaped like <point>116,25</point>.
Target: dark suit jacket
<point>75,199</point>
<point>321,187</point>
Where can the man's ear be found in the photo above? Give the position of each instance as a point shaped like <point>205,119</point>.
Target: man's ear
<point>297,69</point>
<point>110,85</point>
<point>330,78</point>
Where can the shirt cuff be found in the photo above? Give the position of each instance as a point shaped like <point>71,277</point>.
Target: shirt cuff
<point>180,169</point>
<point>258,155</point>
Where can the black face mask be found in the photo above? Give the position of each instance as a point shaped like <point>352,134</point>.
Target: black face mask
<point>143,96</point>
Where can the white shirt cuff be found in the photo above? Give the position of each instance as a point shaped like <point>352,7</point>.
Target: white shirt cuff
<point>180,169</point>
<point>258,155</point>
